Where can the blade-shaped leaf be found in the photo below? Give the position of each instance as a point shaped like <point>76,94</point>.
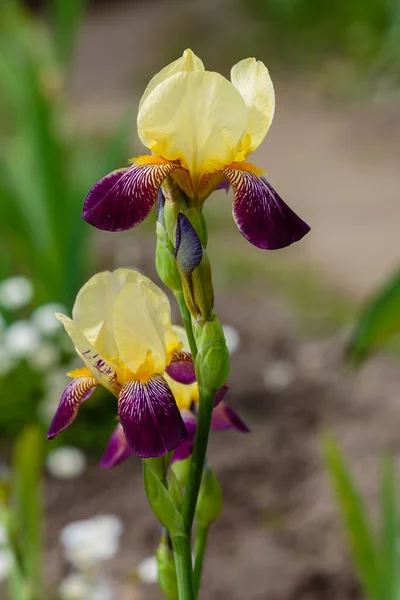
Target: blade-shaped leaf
<point>162,504</point>
<point>390,562</point>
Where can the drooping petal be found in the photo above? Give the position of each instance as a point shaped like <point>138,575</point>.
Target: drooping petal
<point>252,79</point>
<point>221,393</point>
<point>195,117</point>
<point>76,392</point>
<point>103,371</point>
<point>185,449</point>
<point>117,449</point>
<point>224,417</point>
<point>151,420</point>
<point>187,62</point>
<point>125,197</point>
<point>261,215</point>
<point>181,368</point>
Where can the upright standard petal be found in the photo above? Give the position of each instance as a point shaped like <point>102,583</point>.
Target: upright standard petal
<point>124,198</point>
<point>101,369</point>
<point>195,117</point>
<point>224,417</point>
<point>117,449</point>
<point>260,213</point>
<point>251,78</point>
<point>76,392</point>
<point>187,62</point>
<point>151,420</point>
<point>181,368</point>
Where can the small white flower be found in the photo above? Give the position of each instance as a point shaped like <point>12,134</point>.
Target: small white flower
<point>93,541</point>
<point>147,570</point>
<point>45,357</point>
<point>7,362</point>
<point>66,462</point>
<point>279,375</point>
<point>232,338</point>
<point>102,591</point>
<point>15,292</point>
<point>6,562</point>
<point>44,320</point>
<point>74,587</point>
<point>21,339</point>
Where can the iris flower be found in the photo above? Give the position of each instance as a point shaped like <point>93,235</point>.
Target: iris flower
<point>200,128</point>
<point>187,399</point>
<point>121,328</point>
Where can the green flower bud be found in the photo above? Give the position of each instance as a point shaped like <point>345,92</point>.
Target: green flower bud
<point>198,222</point>
<point>166,570</point>
<point>195,271</point>
<point>212,361</point>
<point>165,252</point>
<point>209,503</point>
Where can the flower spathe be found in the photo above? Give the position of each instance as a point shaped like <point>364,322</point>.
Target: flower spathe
<point>121,328</point>
<point>200,128</point>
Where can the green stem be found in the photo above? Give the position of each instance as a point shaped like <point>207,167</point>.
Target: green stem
<point>183,565</point>
<point>199,550</point>
<point>206,405</point>
<point>187,321</point>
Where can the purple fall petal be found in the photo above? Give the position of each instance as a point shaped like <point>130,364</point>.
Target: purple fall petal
<point>261,215</point>
<point>224,185</point>
<point>151,420</point>
<point>181,368</point>
<point>117,449</point>
<point>125,197</point>
<point>76,392</point>
<point>221,393</point>
<point>185,449</point>
<point>224,417</point>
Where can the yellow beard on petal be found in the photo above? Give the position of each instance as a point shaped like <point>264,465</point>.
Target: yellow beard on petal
<point>246,166</point>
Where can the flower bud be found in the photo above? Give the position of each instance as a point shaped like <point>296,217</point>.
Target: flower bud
<point>165,255</point>
<point>194,269</point>
<point>166,570</point>
<point>212,361</point>
<point>209,503</point>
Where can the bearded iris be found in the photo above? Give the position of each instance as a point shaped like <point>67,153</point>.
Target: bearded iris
<point>121,329</point>
<point>200,128</point>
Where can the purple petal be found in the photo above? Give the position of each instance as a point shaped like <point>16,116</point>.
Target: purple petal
<point>185,449</point>
<point>76,392</point>
<point>151,420</point>
<point>224,185</point>
<point>224,417</point>
<point>125,197</point>
<point>181,368</point>
<point>117,449</point>
<point>260,213</point>
<point>220,395</point>
<point>188,248</point>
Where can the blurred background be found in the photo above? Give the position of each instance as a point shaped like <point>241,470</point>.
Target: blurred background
<point>71,76</point>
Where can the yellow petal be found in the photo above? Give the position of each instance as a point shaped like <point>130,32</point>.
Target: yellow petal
<point>195,117</point>
<point>139,335</point>
<point>103,371</point>
<point>252,79</point>
<point>187,62</point>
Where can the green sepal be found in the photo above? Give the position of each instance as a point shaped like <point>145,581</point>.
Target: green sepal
<point>175,489</point>
<point>181,470</point>
<point>165,253</point>
<point>159,465</point>
<point>162,504</point>
<point>166,570</point>
<point>198,221</point>
<point>209,503</point>
<point>212,361</point>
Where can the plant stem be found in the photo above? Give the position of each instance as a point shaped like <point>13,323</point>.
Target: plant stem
<point>187,321</point>
<point>206,405</point>
<point>183,565</point>
<point>199,550</point>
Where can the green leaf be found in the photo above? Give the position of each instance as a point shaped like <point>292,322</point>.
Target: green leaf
<point>162,504</point>
<point>365,552</point>
<point>389,533</point>
<point>175,490</point>
<point>66,19</point>
<point>379,321</point>
<point>210,500</point>
<point>28,497</point>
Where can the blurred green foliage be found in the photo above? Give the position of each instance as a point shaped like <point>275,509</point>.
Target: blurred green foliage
<point>365,32</point>
<point>375,554</point>
<point>379,321</point>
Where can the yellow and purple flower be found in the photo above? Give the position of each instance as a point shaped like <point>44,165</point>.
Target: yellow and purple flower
<point>200,128</point>
<point>121,329</point>
<point>187,398</point>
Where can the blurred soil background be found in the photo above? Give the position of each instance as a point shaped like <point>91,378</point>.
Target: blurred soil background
<point>333,153</point>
